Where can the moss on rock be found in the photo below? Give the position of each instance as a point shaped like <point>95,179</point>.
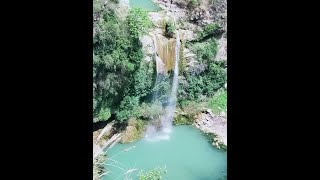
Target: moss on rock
<point>134,131</point>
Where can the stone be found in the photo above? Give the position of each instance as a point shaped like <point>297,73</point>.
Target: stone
<point>156,18</point>
<point>222,50</point>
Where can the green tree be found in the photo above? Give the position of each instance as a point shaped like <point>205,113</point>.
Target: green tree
<point>118,70</point>
<point>139,22</point>
<point>129,107</point>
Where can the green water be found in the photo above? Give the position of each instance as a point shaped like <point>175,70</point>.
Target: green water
<point>187,155</point>
<point>145,4</point>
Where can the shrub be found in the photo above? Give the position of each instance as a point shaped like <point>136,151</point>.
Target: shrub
<point>208,31</point>
<point>129,107</point>
<point>104,114</point>
<point>218,102</point>
<point>151,111</point>
<point>134,131</point>
<point>170,28</point>
<point>193,4</point>
<point>155,174</point>
<point>138,21</point>
<point>205,51</point>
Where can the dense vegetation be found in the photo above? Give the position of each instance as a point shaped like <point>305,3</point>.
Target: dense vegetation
<point>120,77</point>
<point>204,79</point>
<point>124,85</point>
<point>126,88</point>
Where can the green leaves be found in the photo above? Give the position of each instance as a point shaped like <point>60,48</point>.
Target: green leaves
<point>139,22</point>
<point>155,174</point>
<point>129,107</point>
<point>205,51</point>
<point>193,3</point>
<point>218,102</point>
<point>143,80</point>
<point>104,114</point>
<point>117,55</point>
<point>170,28</point>
<point>208,30</point>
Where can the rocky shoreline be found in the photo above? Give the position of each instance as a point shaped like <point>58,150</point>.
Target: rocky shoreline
<point>214,124</point>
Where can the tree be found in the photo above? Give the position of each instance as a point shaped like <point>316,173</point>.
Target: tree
<point>138,21</point>
<point>129,107</point>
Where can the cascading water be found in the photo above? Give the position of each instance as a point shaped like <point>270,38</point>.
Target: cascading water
<point>160,66</point>
<point>167,118</point>
<point>170,109</point>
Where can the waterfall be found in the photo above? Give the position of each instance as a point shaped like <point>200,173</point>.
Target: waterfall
<point>164,50</point>
<point>171,108</point>
<point>159,63</point>
<point>176,68</point>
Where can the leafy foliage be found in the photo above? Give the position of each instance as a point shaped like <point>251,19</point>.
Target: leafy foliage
<point>169,28</point>
<point>104,114</point>
<point>152,110</point>
<point>208,31</point>
<point>218,102</point>
<point>134,130</point>
<point>205,83</point>
<point>183,120</point>
<point>118,70</point>
<point>193,4</point>
<point>182,60</point>
<point>129,107</point>
<point>155,174</point>
<point>138,22</point>
<point>143,80</point>
<point>205,51</point>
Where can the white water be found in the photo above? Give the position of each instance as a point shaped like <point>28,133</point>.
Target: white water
<point>171,108</point>
<point>166,120</point>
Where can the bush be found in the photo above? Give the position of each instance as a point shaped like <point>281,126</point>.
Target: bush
<point>155,174</point>
<point>218,102</point>
<point>143,80</point>
<point>182,59</point>
<point>204,84</point>
<point>134,131</point>
<point>138,21</point>
<point>104,114</point>
<point>193,4</point>
<point>205,51</point>
<point>151,111</point>
<point>170,28</point>
<point>129,107</point>
<point>183,120</point>
<point>208,31</point>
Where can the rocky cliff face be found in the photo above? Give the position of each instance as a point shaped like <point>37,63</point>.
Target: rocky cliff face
<point>211,123</point>
<point>202,13</point>
<point>192,18</point>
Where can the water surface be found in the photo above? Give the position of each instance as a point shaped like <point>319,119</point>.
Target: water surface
<point>187,155</point>
<point>145,4</point>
